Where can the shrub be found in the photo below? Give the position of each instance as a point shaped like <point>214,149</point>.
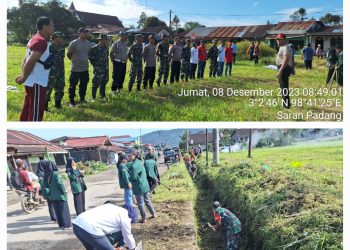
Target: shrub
<point>92,167</point>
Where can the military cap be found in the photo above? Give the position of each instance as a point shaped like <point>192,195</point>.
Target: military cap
<point>57,34</point>
<point>165,35</point>
<point>83,29</point>
<point>122,33</point>
<point>102,37</point>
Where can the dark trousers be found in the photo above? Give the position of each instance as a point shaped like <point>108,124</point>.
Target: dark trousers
<point>201,68</point>
<point>34,104</point>
<point>175,71</point>
<point>79,202</point>
<point>149,77</point>
<point>228,68</point>
<point>152,184</point>
<point>330,74</point>
<point>62,213</point>
<point>90,241</point>
<point>256,59</point>
<point>119,71</point>
<point>51,210</point>
<point>74,79</point>
<point>284,85</point>
<point>251,57</point>
<point>308,64</point>
<point>234,57</point>
<point>193,71</point>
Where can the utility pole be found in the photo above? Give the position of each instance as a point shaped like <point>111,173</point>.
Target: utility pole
<point>206,146</point>
<point>170,12</point>
<point>216,159</point>
<point>250,144</point>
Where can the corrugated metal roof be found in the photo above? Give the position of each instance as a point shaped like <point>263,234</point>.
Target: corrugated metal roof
<point>253,31</point>
<point>151,30</point>
<point>200,32</point>
<point>88,142</point>
<point>330,30</point>
<point>299,25</point>
<point>24,142</point>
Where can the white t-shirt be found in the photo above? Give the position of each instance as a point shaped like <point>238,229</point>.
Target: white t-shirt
<point>32,176</point>
<point>282,53</point>
<point>194,55</point>
<point>39,74</point>
<point>221,56</point>
<point>107,219</point>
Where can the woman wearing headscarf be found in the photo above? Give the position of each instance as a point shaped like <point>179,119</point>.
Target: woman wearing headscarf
<point>77,184</point>
<point>46,168</point>
<point>58,196</point>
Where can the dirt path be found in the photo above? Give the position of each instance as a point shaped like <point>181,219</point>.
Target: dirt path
<point>36,231</point>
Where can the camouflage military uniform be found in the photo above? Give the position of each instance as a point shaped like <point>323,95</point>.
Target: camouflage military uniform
<point>185,63</point>
<point>213,56</point>
<point>135,56</point>
<point>232,226</point>
<point>98,57</point>
<point>163,49</point>
<point>56,76</point>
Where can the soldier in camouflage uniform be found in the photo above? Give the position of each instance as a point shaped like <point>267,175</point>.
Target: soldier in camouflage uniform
<point>56,76</point>
<point>162,53</point>
<point>135,56</point>
<point>213,54</point>
<point>99,59</point>
<point>186,61</point>
<point>231,223</point>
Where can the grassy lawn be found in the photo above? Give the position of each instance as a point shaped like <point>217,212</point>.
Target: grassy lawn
<point>164,104</point>
<point>296,203</point>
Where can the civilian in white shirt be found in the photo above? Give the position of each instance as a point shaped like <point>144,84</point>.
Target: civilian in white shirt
<point>92,226</point>
<point>221,58</point>
<point>194,61</point>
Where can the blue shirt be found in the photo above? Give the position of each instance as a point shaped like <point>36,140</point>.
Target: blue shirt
<point>308,53</point>
<point>234,48</point>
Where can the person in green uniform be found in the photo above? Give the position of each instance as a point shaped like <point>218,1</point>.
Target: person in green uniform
<point>231,223</point>
<point>162,51</point>
<point>151,167</point>
<point>78,186</point>
<point>98,57</point>
<point>140,186</point>
<point>124,179</point>
<point>186,61</point>
<point>56,76</point>
<point>339,66</point>
<point>58,196</point>
<point>213,54</point>
<point>150,152</point>
<point>135,55</point>
<point>332,60</point>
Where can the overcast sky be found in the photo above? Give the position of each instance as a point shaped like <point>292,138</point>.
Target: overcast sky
<point>207,12</point>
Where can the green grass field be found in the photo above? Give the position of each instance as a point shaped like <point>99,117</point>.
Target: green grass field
<point>296,204</point>
<point>164,104</point>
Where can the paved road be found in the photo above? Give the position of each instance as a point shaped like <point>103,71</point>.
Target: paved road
<point>36,231</point>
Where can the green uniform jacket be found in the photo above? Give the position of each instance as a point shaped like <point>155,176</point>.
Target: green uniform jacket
<point>57,189</point>
<point>123,175</point>
<point>45,191</point>
<point>138,178</point>
<point>151,169</point>
<point>74,181</point>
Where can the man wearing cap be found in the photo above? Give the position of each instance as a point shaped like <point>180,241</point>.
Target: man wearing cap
<point>284,62</point>
<point>56,76</point>
<point>308,55</point>
<point>140,186</point>
<point>135,56</point>
<point>231,223</point>
<point>213,54</point>
<point>162,52</point>
<point>151,167</point>
<point>99,59</point>
<point>149,57</point>
<point>175,53</point>
<point>119,57</point>
<point>186,61</point>
<point>34,74</point>
<point>78,53</point>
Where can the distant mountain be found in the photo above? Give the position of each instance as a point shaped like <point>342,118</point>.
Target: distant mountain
<point>170,138</point>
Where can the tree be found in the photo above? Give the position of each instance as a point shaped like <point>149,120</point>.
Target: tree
<point>188,26</point>
<point>141,21</point>
<point>153,21</point>
<point>332,20</point>
<point>299,15</point>
<point>180,30</point>
<point>176,22</point>
<point>22,19</point>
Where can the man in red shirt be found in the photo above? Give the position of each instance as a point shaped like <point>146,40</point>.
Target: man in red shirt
<point>24,178</point>
<point>202,56</point>
<point>228,58</point>
<point>34,74</point>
